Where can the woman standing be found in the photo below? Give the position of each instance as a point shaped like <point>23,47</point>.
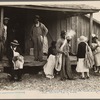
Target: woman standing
<point>63,62</point>
<point>81,57</point>
<point>96,51</point>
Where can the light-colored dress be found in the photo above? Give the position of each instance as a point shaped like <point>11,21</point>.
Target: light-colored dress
<point>81,66</point>
<point>49,67</point>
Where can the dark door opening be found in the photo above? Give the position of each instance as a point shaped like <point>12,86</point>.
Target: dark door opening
<point>16,26</point>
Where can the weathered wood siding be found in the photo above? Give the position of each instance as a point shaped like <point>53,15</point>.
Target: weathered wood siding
<point>80,24</point>
<point>56,22</point>
<point>49,20</point>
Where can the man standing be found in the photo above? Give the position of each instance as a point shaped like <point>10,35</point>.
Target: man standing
<point>38,31</point>
<point>3,38</point>
<point>5,23</point>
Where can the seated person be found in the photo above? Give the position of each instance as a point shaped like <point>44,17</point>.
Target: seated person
<point>16,60</point>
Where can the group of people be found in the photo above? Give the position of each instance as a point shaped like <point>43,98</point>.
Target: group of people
<point>12,52</point>
<point>58,59</point>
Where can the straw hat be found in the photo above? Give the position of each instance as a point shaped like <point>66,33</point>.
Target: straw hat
<point>37,17</point>
<point>14,42</point>
<point>83,39</point>
<point>6,18</point>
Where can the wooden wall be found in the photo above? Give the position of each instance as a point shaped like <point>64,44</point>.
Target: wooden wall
<point>80,24</point>
<point>56,22</point>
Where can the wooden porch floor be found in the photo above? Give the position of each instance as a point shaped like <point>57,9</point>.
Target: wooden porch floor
<point>30,63</point>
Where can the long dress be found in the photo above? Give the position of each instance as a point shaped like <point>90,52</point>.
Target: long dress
<point>66,71</point>
<point>50,65</point>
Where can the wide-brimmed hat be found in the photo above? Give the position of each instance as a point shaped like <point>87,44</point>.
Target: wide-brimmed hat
<point>37,17</point>
<point>6,18</point>
<point>83,39</point>
<point>14,42</point>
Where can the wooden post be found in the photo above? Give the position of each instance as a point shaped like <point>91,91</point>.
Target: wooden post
<point>91,28</point>
<point>1,20</point>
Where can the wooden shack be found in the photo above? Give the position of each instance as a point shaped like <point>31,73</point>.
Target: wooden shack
<point>56,17</point>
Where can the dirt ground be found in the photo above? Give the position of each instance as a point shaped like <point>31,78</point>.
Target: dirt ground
<point>39,83</point>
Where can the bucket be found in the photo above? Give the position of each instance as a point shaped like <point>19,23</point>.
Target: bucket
<point>31,51</point>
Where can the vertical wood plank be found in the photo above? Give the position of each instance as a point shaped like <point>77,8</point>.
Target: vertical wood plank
<point>91,28</point>
<point>1,19</point>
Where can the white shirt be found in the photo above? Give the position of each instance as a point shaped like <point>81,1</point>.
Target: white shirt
<point>5,32</point>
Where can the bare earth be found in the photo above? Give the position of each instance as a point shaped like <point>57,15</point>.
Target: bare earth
<point>40,83</point>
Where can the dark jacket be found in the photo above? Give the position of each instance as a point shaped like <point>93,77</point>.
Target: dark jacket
<point>10,54</point>
<point>81,50</point>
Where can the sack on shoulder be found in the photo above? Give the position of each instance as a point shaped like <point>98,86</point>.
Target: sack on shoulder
<point>89,59</point>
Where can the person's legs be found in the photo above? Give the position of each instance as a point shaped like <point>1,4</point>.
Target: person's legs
<point>63,69</point>
<point>40,49</point>
<point>83,76</point>
<point>19,74</point>
<point>1,51</point>
<point>35,48</point>
<point>87,75</point>
<point>13,73</point>
<point>98,69</point>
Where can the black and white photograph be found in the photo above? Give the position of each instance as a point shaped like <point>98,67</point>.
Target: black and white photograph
<point>50,50</point>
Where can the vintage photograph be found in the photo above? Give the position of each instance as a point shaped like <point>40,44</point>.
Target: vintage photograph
<point>50,50</point>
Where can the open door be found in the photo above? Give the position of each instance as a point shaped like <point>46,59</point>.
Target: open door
<point>16,26</point>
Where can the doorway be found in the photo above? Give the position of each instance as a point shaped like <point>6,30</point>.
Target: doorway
<point>16,26</point>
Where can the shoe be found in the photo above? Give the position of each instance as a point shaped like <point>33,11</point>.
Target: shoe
<point>63,79</point>
<point>87,77</point>
<point>96,71</point>
<point>35,59</point>
<point>71,78</point>
<point>99,71</point>
<point>82,78</point>
<point>41,60</point>
<point>49,76</point>
<point>18,80</point>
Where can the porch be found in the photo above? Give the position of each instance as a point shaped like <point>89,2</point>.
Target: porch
<point>30,66</point>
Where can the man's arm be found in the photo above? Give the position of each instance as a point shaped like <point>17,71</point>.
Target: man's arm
<point>45,30</point>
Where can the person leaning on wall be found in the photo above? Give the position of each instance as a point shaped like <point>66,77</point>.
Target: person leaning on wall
<point>3,38</point>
